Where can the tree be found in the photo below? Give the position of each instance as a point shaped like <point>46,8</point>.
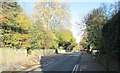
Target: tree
<point>23,37</point>
<point>83,43</point>
<point>111,34</point>
<point>65,39</point>
<point>53,14</point>
<point>103,29</point>
<point>23,21</point>
<point>8,11</point>
<point>49,17</point>
<point>15,26</point>
<point>76,48</point>
<point>94,23</point>
<point>42,38</point>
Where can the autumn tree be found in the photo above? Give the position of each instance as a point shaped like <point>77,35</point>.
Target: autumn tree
<point>53,14</point>
<point>15,26</point>
<point>22,36</point>
<point>48,18</point>
<point>8,11</point>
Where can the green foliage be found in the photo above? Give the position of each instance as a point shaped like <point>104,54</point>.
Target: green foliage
<point>103,30</point>
<point>49,17</point>
<point>111,35</point>
<point>42,38</point>
<point>76,48</point>
<point>65,39</point>
<point>65,35</point>
<point>10,9</point>
<point>14,26</point>
<point>18,30</point>
<point>84,43</point>
<point>94,23</point>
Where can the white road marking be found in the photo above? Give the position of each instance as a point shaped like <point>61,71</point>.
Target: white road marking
<point>75,69</point>
<point>50,62</point>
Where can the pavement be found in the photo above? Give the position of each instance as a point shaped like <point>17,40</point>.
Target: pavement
<point>88,63</point>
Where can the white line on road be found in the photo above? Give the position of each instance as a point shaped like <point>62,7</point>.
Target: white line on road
<point>49,63</point>
<point>75,69</point>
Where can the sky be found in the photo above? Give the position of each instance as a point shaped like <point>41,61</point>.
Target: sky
<point>78,10</point>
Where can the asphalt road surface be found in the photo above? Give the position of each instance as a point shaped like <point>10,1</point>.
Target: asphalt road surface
<point>67,62</point>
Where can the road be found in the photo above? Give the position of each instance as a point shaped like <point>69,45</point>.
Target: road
<point>67,62</point>
<point>71,63</point>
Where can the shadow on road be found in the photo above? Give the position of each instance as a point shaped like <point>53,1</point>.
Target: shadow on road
<point>58,63</point>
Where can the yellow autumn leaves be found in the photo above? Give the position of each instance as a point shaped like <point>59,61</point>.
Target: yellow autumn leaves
<point>23,21</point>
